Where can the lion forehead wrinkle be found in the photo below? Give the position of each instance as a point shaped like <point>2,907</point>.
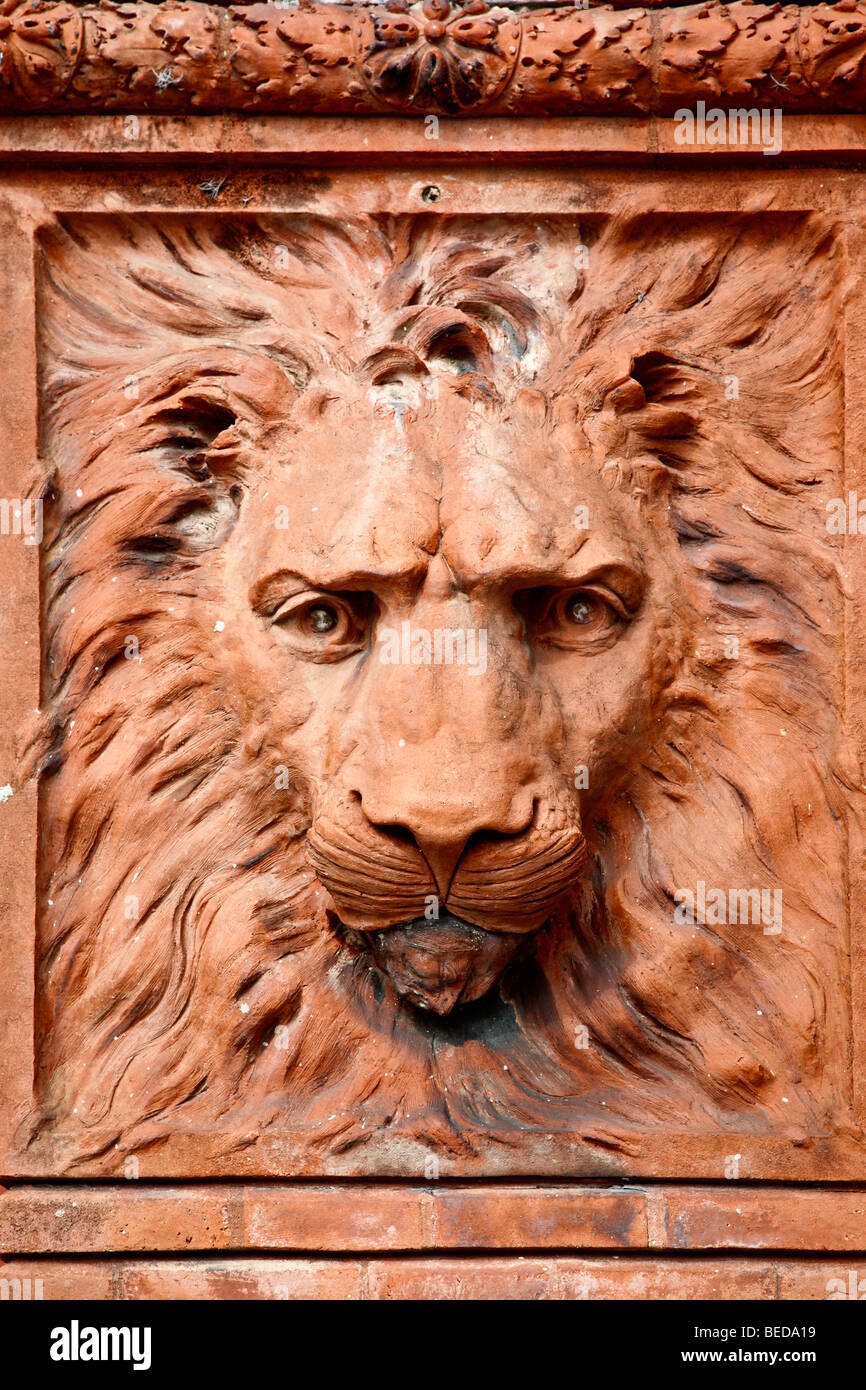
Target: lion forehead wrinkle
<point>375,525</point>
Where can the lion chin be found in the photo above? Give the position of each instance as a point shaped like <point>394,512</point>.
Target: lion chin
<point>437,965</point>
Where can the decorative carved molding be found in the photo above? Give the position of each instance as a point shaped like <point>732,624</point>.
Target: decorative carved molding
<point>437,55</point>
<point>432,57</point>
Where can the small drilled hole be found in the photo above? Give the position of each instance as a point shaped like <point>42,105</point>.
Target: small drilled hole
<point>431,194</point>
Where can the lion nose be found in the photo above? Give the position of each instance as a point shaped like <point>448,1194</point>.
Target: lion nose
<point>443,831</point>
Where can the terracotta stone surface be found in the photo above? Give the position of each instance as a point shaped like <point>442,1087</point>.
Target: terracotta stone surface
<point>247,146</point>
<point>284,889</point>
<point>432,709</point>
<point>436,1278</point>
<point>787,1151</point>
<point>68,1220</point>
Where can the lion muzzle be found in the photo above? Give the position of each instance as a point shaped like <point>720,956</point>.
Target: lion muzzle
<point>439,954</point>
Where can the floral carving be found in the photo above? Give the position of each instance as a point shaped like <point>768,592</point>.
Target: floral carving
<point>436,53</point>
<point>39,49</point>
<point>414,57</point>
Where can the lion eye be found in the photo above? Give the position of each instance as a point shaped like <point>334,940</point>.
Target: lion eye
<point>579,611</point>
<point>587,610</point>
<point>322,618</point>
<point>324,628</point>
<point>581,619</point>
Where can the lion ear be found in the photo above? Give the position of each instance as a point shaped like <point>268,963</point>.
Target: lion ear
<point>202,524</point>
<point>653,397</point>
<point>440,334</point>
<point>665,380</point>
<point>390,364</point>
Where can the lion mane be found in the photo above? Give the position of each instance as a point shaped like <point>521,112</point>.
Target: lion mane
<point>188,980</point>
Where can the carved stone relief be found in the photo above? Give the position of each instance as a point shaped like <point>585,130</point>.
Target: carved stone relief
<point>442,679</point>
<point>430,56</point>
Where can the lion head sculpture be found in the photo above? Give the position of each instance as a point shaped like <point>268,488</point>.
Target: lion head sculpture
<point>429,602</point>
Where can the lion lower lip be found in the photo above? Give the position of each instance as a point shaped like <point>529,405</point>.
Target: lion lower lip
<point>439,964</point>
